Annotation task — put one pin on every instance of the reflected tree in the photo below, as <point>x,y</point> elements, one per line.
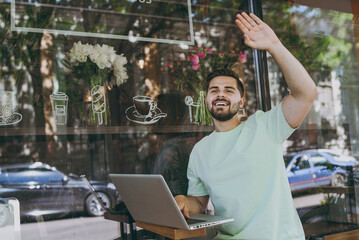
<point>21,69</point>
<point>323,42</point>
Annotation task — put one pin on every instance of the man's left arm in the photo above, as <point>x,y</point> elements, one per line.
<point>259,35</point>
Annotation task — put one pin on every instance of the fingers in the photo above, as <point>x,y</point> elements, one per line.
<point>243,24</point>
<point>249,20</point>
<point>183,209</point>
<point>247,23</point>
<point>186,212</point>
<point>181,205</point>
<point>257,19</point>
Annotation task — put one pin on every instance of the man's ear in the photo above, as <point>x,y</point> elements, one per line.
<point>242,102</point>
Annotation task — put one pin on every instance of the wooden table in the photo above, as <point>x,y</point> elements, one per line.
<point>330,189</point>
<point>351,222</point>
<point>172,233</point>
<point>350,235</point>
<point>168,232</point>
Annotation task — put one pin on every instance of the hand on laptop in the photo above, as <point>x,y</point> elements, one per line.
<point>191,204</point>
<point>181,202</point>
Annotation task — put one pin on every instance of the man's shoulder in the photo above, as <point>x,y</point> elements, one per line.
<point>203,142</point>
<point>254,118</point>
<point>260,115</point>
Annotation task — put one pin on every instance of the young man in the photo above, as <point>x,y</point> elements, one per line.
<point>240,165</point>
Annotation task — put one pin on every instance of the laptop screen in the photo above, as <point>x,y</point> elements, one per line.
<point>104,208</point>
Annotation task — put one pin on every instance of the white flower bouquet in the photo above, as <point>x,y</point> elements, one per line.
<point>101,68</point>
<point>99,65</point>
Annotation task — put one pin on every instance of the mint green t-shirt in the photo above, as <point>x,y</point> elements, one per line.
<point>243,172</point>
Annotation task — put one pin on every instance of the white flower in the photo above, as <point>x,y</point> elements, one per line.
<point>119,69</point>
<point>109,52</point>
<point>80,52</point>
<point>120,60</point>
<point>100,58</point>
<point>121,77</point>
<point>104,57</point>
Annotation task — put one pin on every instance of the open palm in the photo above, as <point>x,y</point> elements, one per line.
<point>257,34</point>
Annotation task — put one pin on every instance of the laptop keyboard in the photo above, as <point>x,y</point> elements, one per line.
<point>193,221</point>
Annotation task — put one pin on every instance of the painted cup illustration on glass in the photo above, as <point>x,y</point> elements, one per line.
<point>144,105</point>
<point>59,103</point>
<point>8,116</point>
<point>144,111</point>
<point>98,102</point>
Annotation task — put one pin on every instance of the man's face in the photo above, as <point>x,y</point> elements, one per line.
<point>223,98</point>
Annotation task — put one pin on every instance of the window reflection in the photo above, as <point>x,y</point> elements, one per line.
<point>58,131</point>
<point>323,38</point>
<point>152,34</point>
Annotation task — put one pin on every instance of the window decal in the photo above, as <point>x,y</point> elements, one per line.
<point>8,116</point>
<point>144,111</point>
<point>191,105</point>
<point>59,103</point>
<point>98,97</point>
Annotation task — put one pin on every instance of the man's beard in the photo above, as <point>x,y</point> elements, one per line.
<point>225,115</point>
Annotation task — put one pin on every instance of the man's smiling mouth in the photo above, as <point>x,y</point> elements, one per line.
<point>220,104</point>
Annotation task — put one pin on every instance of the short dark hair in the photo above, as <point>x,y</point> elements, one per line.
<point>226,73</point>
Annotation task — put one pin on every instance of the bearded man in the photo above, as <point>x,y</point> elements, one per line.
<point>240,165</point>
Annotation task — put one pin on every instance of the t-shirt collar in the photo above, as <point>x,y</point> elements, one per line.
<point>233,131</point>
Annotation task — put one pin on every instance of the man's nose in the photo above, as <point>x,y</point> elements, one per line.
<point>221,94</point>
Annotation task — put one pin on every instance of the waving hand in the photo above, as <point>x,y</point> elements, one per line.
<point>257,34</point>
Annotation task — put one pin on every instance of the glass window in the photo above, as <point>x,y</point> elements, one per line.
<point>32,175</point>
<point>98,87</point>
<point>318,160</point>
<point>302,162</point>
<point>324,38</point>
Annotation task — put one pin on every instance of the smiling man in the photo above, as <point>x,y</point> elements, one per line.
<point>240,165</point>
<point>224,98</point>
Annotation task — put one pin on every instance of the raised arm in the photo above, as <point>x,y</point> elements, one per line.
<point>259,35</point>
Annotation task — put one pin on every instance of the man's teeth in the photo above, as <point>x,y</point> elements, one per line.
<point>220,104</point>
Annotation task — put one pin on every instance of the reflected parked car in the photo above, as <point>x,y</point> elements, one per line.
<point>317,167</point>
<point>42,190</point>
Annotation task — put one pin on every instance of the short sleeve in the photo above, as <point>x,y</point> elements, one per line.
<point>195,184</point>
<point>276,124</point>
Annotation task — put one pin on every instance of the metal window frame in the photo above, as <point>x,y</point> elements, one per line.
<point>260,65</point>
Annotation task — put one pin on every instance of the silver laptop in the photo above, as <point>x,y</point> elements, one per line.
<point>149,200</point>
